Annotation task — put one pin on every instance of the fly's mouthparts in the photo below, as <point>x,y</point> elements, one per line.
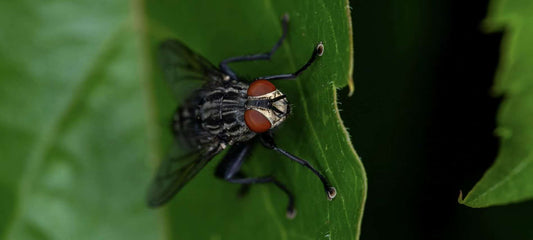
<point>277,98</point>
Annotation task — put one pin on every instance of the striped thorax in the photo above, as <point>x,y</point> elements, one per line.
<point>226,112</point>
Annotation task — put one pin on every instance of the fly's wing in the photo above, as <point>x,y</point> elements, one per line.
<point>174,173</point>
<point>181,64</point>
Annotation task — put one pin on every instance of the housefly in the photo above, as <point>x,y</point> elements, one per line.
<point>226,111</point>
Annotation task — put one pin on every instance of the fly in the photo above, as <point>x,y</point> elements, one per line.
<point>225,112</point>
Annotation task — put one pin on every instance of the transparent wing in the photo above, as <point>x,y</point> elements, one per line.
<point>181,64</point>
<point>174,173</point>
<point>181,67</point>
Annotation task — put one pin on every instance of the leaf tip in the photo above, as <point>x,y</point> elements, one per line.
<point>460,199</point>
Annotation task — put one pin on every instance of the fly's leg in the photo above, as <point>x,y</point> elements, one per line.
<point>268,142</point>
<point>317,52</point>
<point>230,165</point>
<point>291,212</point>
<point>229,170</point>
<point>262,56</point>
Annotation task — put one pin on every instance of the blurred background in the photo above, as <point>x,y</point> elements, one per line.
<point>422,119</point>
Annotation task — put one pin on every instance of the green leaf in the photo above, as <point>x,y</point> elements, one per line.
<point>85,114</point>
<point>510,179</point>
<point>73,143</point>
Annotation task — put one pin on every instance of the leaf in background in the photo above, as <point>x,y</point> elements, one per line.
<point>84,109</point>
<point>73,143</point>
<point>510,179</point>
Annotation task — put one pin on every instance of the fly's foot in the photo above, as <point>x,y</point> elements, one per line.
<point>285,18</point>
<point>320,49</point>
<point>332,192</point>
<point>291,213</point>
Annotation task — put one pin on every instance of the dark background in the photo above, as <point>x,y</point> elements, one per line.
<point>425,69</point>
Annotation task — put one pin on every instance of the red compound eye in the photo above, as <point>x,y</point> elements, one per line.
<point>256,121</point>
<point>260,87</point>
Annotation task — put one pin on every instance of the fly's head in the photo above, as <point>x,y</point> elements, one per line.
<point>266,107</point>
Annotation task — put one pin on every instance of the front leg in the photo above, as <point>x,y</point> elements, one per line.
<point>317,52</point>
<point>232,162</point>
<point>262,56</point>
<point>268,141</point>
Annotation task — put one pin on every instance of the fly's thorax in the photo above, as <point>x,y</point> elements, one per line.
<point>266,107</point>
<point>220,112</point>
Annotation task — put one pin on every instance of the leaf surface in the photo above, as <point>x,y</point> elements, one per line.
<point>85,113</point>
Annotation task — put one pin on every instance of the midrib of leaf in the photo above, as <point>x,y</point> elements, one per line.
<point>140,22</point>
<point>49,135</point>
